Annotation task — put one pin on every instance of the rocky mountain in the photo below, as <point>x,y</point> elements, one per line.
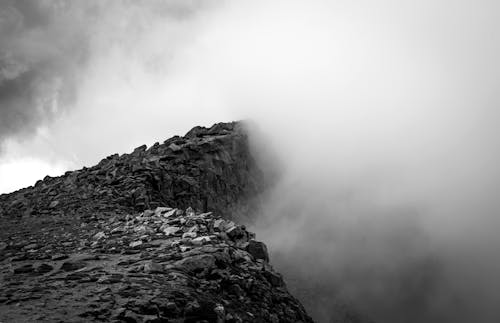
<point>144,237</point>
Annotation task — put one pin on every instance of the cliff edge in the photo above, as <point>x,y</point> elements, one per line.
<point>144,237</point>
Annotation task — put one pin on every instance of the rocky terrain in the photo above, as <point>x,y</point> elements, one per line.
<point>144,237</point>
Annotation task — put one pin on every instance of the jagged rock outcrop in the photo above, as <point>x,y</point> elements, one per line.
<point>208,169</point>
<point>118,242</point>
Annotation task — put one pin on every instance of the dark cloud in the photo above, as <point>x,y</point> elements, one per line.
<point>42,47</point>
<point>47,46</point>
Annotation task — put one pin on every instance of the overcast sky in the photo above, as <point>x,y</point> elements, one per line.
<point>81,80</point>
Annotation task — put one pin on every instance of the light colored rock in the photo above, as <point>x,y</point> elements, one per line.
<point>189,235</point>
<point>153,267</point>
<point>147,213</point>
<point>170,230</point>
<point>134,244</point>
<point>219,224</point>
<point>30,246</point>
<point>99,236</point>
<point>174,147</point>
<point>143,229</point>
<point>169,213</point>
<point>200,240</point>
<point>190,212</point>
<point>161,209</point>
<point>53,204</point>
<point>220,312</point>
<point>194,228</point>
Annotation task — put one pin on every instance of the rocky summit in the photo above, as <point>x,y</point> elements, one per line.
<point>144,237</point>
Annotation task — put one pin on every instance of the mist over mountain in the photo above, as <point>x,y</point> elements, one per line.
<point>377,123</point>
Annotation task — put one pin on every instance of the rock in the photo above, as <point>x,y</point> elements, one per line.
<point>135,244</point>
<point>152,267</point>
<point>220,312</point>
<point>24,269</point>
<point>200,240</point>
<point>236,233</point>
<point>188,235</point>
<point>190,212</point>
<point>117,230</point>
<point>59,257</point>
<point>53,204</point>
<point>43,268</point>
<point>99,236</point>
<point>169,231</point>
<point>258,250</point>
<point>219,224</point>
<point>72,265</point>
<point>172,308</point>
<point>161,210</point>
<point>274,278</point>
<point>148,213</point>
<point>31,246</point>
<point>170,213</point>
<point>174,147</point>
<point>196,263</point>
<point>111,250</point>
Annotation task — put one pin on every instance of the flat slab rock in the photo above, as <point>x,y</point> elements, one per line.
<point>160,265</point>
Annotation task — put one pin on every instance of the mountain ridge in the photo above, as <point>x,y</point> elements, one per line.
<point>103,243</point>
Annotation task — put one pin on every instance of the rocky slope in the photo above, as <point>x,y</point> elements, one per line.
<point>120,242</point>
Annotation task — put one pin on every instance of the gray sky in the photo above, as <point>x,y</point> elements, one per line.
<point>81,80</point>
<point>383,113</point>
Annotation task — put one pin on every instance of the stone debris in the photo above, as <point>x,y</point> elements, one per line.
<point>190,278</point>
<point>208,169</point>
<point>143,237</point>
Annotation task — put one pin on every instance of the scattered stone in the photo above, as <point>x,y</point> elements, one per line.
<point>174,147</point>
<point>190,212</point>
<point>258,250</point>
<point>53,204</point>
<point>72,265</point>
<point>135,244</point>
<point>188,235</point>
<point>169,231</point>
<point>219,224</point>
<point>31,246</point>
<point>113,250</point>
<point>200,240</point>
<point>161,210</point>
<point>220,312</point>
<point>43,268</point>
<point>235,233</point>
<point>100,235</point>
<point>24,269</point>
<point>59,257</point>
<point>170,213</point>
<point>152,267</point>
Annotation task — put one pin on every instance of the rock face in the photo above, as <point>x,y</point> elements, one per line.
<point>208,169</point>
<point>119,242</point>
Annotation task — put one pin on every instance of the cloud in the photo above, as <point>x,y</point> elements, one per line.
<point>82,80</point>
<point>383,120</point>
<point>51,50</point>
<point>39,61</point>
<point>382,117</point>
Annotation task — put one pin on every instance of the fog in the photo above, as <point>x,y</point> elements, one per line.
<point>382,118</point>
